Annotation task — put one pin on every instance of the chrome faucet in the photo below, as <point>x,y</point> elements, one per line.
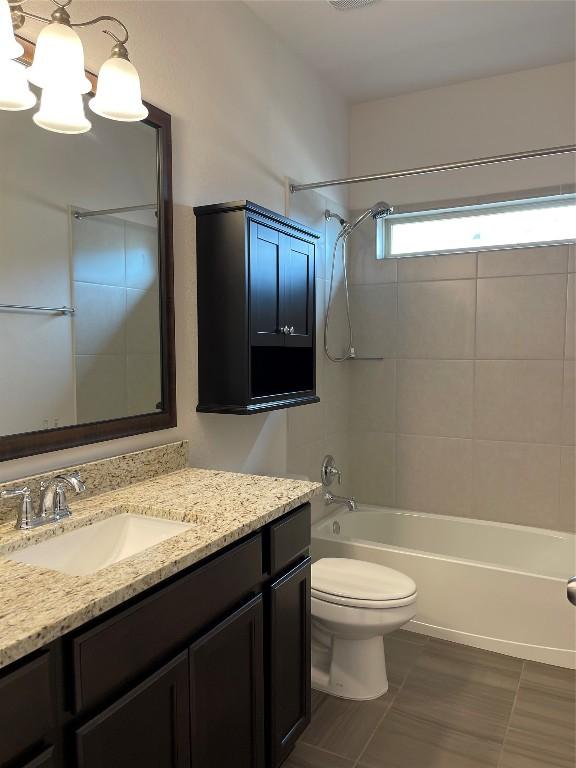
<point>328,473</point>
<point>53,503</point>
<point>330,498</point>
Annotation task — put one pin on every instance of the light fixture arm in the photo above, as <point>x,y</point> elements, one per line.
<point>62,16</point>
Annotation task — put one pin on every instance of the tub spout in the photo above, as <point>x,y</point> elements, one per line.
<point>330,498</point>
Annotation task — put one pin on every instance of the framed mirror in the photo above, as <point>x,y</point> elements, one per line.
<point>86,282</point>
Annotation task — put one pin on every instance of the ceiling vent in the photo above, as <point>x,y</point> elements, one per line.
<point>351,5</point>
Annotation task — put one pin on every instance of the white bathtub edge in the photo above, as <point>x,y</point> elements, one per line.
<point>558,657</point>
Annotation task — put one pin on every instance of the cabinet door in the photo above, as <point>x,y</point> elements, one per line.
<point>297,290</point>
<point>45,760</point>
<point>290,660</point>
<point>148,728</point>
<point>226,692</point>
<point>264,286</point>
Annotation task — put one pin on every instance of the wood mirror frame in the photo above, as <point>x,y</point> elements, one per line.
<point>32,443</point>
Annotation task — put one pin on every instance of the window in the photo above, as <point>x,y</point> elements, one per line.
<point>517,223</point>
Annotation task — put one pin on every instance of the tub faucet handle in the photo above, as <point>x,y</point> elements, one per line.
<point>571,590</point>
<point>330,471</point>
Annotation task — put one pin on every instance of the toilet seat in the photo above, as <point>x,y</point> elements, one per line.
<point>358,584</point>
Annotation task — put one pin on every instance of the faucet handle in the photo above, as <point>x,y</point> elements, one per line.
<point>26,515</point>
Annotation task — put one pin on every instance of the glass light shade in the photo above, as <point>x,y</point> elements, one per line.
<point>59,60</point>
<point>62,111</point>
<point>15,93</point>
<point>118,95</point>
<point>9,47</point>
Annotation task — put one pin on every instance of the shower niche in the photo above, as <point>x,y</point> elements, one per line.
<point>256,309</point>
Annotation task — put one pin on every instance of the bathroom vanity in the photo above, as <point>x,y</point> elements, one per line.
<point>209,667</point>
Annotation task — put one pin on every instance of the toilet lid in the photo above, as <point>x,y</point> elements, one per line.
<point>358,580</point>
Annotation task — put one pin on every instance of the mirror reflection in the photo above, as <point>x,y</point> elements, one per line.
<point>79,274</point>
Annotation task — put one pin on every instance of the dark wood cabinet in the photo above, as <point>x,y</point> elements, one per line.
<point>256,309</point>
<point>27,707</point>
<point>227,692</point>
<point>209,669</point>
<point>45,760</point>
<point>289,660</point>
<point>148,728</point>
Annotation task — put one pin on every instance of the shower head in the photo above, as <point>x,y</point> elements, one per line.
<point>380,210</point>
<point>377,211</point>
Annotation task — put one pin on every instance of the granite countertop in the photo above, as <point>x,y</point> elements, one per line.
<point>38,605</point>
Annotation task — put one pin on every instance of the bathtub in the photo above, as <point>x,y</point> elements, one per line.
<point>494,586</point>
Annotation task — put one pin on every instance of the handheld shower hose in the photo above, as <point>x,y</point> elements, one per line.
<point>377,211</point>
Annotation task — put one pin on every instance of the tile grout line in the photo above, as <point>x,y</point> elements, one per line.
<point>385,715</point>
<point>514,702</point>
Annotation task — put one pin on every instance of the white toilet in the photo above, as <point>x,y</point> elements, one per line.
<point>354,604</point>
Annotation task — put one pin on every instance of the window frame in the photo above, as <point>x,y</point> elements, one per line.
<point>384,225</point>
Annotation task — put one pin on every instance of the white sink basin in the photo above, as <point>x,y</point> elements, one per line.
<point>90,548</point>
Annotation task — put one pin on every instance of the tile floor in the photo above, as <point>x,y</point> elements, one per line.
<point>448,706</point>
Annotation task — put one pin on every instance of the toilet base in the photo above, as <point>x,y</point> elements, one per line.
<point>350,669</point>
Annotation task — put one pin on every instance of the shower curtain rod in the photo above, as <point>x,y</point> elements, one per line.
<point>439,168</point>
<point>108,211</point>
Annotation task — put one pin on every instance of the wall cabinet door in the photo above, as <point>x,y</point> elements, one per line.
<point>147,728</point>
<point>264,286</point>
<point>296,290</point>
<point>289,660</point>
<point>226,692</point>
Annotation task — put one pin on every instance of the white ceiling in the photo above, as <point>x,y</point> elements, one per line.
<point>398,46</point>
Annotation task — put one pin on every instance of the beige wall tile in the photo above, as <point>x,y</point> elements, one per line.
<point>436,397</point>
<point>143,383</point>
<point>99,255</point>
<point>436,319</point>
<point>100,319</point>
<point>518,400</point>
<point>372,467</point>
<point>521,317</point>
<point>572,259</point>
<point>364,267</point>
<point>142,321</point>
<point>446,267</point>
<point>434,474</point>
<point>523,261</point>
<point>373,312</point>
<point>101,387</point>
<point>517,483</point>
<point>567,519</point>
<point>373,395</point>
<point>568,404</point>
<point>570,348</point>
<point>335,395</point>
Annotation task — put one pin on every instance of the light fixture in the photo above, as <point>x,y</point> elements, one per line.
<point>15,93</point>
<point>9,47</point>
<point>58,68</point>
<point>62,111</point>
<point>118,95</point>
<point>59,60</point>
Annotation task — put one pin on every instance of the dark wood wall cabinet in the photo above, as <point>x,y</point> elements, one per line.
<point>256,309</point>
<point>208,670</point>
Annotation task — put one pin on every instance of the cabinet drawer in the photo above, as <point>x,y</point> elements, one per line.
<point>26,707</point>
<point>289,538</point>
<point>116,652</point>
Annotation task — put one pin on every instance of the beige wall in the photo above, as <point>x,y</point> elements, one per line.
<point>490,116</point>
<point>246,114</point>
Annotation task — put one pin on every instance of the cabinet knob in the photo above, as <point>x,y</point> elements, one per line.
<point>291,330</point>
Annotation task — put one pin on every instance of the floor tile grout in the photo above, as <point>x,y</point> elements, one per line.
<point>510,716</point>
<point>378,724</point>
